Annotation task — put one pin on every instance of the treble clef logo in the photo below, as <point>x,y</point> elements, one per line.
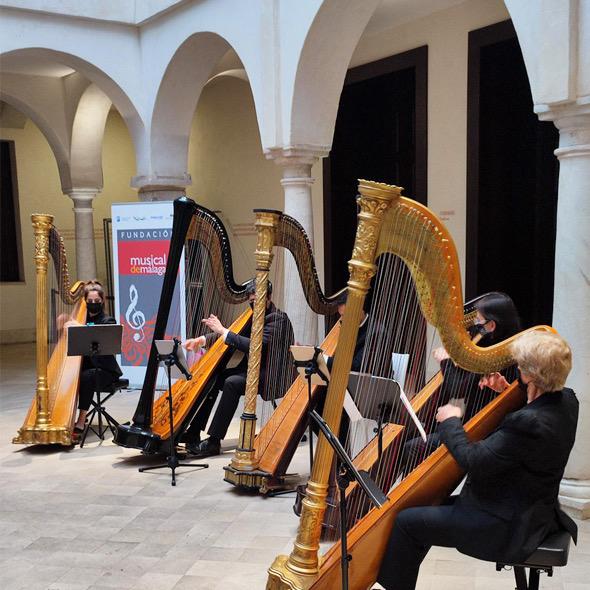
<point>135,319</point>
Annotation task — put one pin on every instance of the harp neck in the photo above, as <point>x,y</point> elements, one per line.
<point>434,266</point>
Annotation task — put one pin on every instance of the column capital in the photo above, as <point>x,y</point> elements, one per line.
<point>159,187</point>
<point>573,122</point>
<point>161,182</point>
<point>82,197</point>
<point>296,155</point>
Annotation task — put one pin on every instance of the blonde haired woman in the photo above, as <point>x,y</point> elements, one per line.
<point>508,504</point>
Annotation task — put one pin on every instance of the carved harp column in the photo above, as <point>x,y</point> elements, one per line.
<point>298,570</point>
<point>41,227</point>
<point>245,457</point>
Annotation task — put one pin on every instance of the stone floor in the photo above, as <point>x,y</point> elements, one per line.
<point>84,519</point>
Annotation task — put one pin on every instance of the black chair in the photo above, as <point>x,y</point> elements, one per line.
<point>99,410</point>
<point>552,552</point>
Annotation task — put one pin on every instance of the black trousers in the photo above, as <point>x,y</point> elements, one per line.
<point>232,383</point>
<point>417,529</point>
<point>90,380</point>
<point>415,451</point>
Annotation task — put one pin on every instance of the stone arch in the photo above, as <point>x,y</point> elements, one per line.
<point>185,77</point>
<point>102,81</point>
<point>87,136</point>
<point>551,65</point>
<point>321,69</point>
<point>57,142</point>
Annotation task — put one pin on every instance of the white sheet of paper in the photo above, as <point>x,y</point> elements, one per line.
<point>350,408</point>
<point>410,411</point>
<point>399,365</point>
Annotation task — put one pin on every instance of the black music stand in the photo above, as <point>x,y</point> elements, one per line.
<point>384,395</point>
<point>170,355</point>
<point>347,473</point>
<point>312,367</point>
<point>92,341</point>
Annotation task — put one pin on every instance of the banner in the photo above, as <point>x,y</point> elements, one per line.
<point>141,239</point>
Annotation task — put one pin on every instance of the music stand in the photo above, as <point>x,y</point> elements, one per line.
<point>312,367</point>
<point>347,473</point>
<point>384,395</point>
<point>92,341</point>
<point>171,355</point>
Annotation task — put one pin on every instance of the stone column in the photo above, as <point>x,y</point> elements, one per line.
<point>571,306</point>
<point>84,232</point>
<point>297,181</point>
<point>161,188</point>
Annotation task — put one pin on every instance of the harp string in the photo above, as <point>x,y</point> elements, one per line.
<point>62,306</point>
<point>203,296</point>
<point>290,241</point>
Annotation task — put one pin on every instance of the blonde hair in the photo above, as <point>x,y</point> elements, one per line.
<point>544,357</point>
<point>93,285</point>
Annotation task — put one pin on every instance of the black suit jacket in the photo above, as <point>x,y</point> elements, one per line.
<point>514,474</point>
<point>106,362</point>
<point>277,337</point>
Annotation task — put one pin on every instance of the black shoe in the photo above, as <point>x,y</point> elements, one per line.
<point>190,438</point>
<point>206,448</point>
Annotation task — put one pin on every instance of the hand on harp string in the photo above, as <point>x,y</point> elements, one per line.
<point>495,381</point>
<point>448,411</point>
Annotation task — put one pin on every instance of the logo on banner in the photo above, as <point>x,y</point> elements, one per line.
<point>142,258</point>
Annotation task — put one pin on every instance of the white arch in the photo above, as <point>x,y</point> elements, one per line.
<point>548,38</point>
<point>184,79</point>
<point>87,137</point>
<point>103,81</point>
<point>58,142</point>
<point>318,76</point>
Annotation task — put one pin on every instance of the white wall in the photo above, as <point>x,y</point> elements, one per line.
<point>446,34</point>
<point>40,192</point>
<point>230,172</point>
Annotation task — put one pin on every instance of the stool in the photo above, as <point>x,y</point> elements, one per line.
<point>99,410</point>
<point>552,552</point>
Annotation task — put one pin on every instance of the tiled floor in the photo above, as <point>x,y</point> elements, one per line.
<point>85,519</point>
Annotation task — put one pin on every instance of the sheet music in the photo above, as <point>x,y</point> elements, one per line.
<point>410,410</point>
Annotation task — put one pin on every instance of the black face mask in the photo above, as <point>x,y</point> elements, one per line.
<point>478,329</point>
<point>94,307</point>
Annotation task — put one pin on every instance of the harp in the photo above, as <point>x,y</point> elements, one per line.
<point>50,418</point>
<point>392,225</point>
<point>210,288</point>
<point>261,462</point>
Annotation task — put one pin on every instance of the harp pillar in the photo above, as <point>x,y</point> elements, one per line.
<point>84,223</point>
<point>571,303</point>
<point>299,569</point>
<point>296,164</point>
<point>243,467</point>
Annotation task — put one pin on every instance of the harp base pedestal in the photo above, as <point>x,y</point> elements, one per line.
<point>245,479</point>
<point>280,577</point>
<point>48,435</point>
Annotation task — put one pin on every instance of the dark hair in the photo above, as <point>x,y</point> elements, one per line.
<point>251,288</point>
<point>341,297</point>
<point>93,285</point>
<point>499,307</point>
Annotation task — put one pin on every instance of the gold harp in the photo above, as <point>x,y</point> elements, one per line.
<point>389,223</point>
<point>261,461</point>
<point>50,418</point>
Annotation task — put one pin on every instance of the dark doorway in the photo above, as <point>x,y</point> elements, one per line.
<point>380,134</point>
<point>512,178</point>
